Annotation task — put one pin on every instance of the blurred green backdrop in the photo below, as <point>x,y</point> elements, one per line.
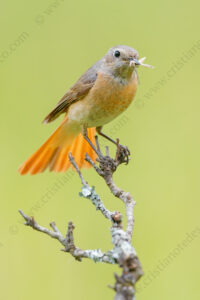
<point>45,47</point>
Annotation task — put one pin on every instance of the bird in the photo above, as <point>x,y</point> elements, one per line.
<point>101,94</point>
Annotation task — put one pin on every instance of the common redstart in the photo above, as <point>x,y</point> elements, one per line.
<point>102,93</point>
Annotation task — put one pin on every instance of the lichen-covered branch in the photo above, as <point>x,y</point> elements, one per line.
<point>88,192</point>
<point>123,253</point>
<point>68,241</point>
<point>107,166</point>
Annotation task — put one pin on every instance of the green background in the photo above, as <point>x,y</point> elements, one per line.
<point>45,47</point>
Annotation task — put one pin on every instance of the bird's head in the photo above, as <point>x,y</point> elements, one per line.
<point>123,60</point>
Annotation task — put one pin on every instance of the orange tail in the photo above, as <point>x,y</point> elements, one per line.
<point>54,152</point>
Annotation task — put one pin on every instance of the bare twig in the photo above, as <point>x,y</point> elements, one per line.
<point>30,221</point>
<point>68,241</point>
<point>77,169</point>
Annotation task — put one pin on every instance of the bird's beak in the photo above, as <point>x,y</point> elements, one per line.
<point>134,62</point>
<point>137,63</point>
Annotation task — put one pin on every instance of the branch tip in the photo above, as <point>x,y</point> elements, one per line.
<point>72,160</point>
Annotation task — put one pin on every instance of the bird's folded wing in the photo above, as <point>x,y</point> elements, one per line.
<point>77,92</point>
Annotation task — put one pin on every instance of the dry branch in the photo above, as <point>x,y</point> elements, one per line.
<point>123,253</point>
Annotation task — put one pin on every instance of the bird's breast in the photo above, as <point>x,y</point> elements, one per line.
<point>108,98</point>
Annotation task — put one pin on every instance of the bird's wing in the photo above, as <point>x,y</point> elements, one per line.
<point>77,92</point>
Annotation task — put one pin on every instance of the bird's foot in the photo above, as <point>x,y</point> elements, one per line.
<point>108,165</point>
<point>122,154</point>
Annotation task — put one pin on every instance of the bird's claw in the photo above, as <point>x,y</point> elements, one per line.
<point>122,154</point>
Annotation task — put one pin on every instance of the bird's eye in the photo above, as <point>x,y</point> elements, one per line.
<point>117,53</point>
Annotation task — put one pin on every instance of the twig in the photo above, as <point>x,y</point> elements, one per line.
<point>77,169</point>
<point>128,201</point>
<point>68,241</point>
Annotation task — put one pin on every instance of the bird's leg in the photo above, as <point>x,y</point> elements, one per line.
<point>122,153</point>
<point>98,129</point>
<point>85,135</point>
